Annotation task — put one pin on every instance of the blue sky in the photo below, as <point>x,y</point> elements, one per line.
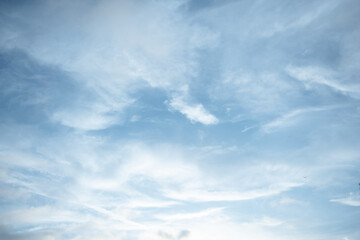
<point>180,120</point>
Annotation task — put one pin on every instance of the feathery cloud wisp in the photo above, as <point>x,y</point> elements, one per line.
<point>194,112</point>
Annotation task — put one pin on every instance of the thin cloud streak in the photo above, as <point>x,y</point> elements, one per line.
<point>190,216</point>
<point>353,201</point>
<point>313,75</point>
<point>290,118</point>
<point>219,196</point>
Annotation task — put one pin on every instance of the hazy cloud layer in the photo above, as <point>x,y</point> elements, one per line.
<point>181,119</point>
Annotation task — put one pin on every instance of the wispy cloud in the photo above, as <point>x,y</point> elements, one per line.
<point>124,63</point>
<point>258,92</point>
<point>211,196</point>
<point>266,221</point>
<point>190,216</point>
<point>301,22</point>
<point>178,120</point>
<point>86,120</point>
<point>311,76</point>
<point>352,200</point>
<point>291,118</point>
<point>194,112</point>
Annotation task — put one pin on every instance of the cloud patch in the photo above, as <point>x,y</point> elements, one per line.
<point>312,76</point>
<point>352,200</point>
<point>194,112</point>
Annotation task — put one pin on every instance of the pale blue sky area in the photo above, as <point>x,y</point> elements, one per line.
<point>180,120</point>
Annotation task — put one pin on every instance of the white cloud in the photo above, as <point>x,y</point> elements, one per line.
<point>122,171</point>
<point>188,216</point>
<point>113,48</point>
<point>288,201</point>
<point>283,121</point>
<point>291,118</point>
<point>217,227</point>
<point>200,195</point>
<point>352,200</point>
<point>194,112</point>
<point>109,185</point>
<point>155,163</point>
<point>42,215</point>
<point>257,92</point>
<point>115,216</point>
<point>312,76</point>
<point>266,222</point>
<point>90,120</point>
<point>300,22</point>
<point>146,202</point>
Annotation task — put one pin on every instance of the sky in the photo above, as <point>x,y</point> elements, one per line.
<point>180,120</point>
